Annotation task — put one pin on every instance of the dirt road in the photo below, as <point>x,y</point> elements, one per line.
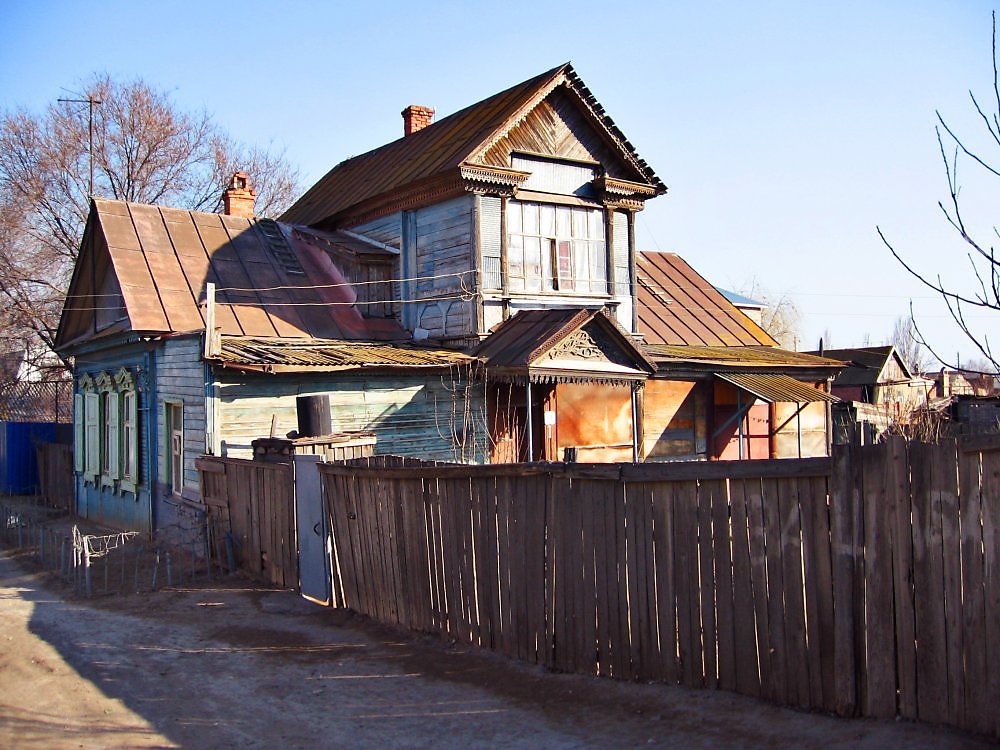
<point>238,667</point>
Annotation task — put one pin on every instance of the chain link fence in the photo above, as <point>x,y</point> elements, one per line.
<point>98,561</point>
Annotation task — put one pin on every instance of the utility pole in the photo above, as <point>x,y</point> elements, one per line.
<point>92,102</point>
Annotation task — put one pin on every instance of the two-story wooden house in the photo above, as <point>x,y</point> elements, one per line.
<point>470,292</point>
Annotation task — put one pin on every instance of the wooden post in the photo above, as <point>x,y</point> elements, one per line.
<point>210,349</point>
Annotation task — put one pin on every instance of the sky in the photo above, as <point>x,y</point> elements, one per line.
<point>786,132</point>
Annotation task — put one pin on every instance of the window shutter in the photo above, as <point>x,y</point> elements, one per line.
<point>78,433</point>
<point>132,449</point>
<point>114,418</point>
<point>92,437</point>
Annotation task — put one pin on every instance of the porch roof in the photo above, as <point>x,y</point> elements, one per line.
<point>777,388</point>
<point>274,355</point>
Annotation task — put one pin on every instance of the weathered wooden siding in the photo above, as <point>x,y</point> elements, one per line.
<point>180,379</point>
<point>557,127</point>
<point>387,229</point>
<point>673,420</point>
<point>429,416</point>
<point>444,257</point>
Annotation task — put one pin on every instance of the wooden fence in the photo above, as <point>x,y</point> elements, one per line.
<point>55,475</point>
<point>864,585</point>
<point>255,501</point>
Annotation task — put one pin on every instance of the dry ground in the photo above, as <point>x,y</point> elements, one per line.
<point>234,666</point>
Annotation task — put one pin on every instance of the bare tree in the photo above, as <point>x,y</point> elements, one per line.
<point>145,150</point>
<point>908,346</point>
<point>780,317</point>
<point>983,290</point>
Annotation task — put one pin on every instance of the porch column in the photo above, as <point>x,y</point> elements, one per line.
<point>528,434</point>
<point>635,424</point>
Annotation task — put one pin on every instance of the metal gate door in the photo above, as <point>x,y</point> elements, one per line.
<point>313,532</point>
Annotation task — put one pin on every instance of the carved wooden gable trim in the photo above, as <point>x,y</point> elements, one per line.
<point>559,127</point>
<point>589,344</point>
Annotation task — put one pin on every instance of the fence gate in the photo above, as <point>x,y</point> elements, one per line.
<point>313,531</point>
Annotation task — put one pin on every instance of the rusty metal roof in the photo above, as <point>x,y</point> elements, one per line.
<point>270,279</point>
<point>753,357</point>
<point>287,355</point>
<point>444,146</point>
<point>777,388</point>
<point>523,341</point>
<point>676,305</point>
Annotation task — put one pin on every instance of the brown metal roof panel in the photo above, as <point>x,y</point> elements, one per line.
<point>183,313</point>
<point>167,272</point>
<point>691,308</point>
<point>710,298</point>
<point>149,226</point>
<point>119,231</point>
<point>145,311</point>
<point>254,321</point>
<point>777,388</point>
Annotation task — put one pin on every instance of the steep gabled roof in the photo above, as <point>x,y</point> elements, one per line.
<point>865,364</point>
<point>443,147</point>
<point>677,306</point>
<point>153,263</point>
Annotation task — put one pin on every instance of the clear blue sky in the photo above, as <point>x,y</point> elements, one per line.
<point>785,131</point>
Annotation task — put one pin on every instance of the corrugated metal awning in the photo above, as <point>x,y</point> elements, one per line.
<point>776,388</point>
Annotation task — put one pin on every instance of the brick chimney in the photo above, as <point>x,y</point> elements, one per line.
<point>238,200</point>
<point>416,118</point>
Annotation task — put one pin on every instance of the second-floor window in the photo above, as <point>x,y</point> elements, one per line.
<point>555,248</point>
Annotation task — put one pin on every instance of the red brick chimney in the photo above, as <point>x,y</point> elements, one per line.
<point>238,200</point>
<point>416,118</point>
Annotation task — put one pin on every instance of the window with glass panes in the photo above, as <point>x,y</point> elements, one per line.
<point>554,248</point>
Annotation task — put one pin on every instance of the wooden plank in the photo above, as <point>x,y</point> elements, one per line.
<point>821,583</point>
<point>503,500</point>
<point>753,635</point>
<point>685,562</point>
<point>707,583</point>
<point>900,508</point>
<point>648,668</point>
<point>946,482</point>
<point>843,499</point>
<point>978,713</point>
<point>491,558</point>
<point>789,499</point>
<point>629,506</point>
<point>780,682</point>
<point>661,496</point>
<point>723,544</point>
<point>590,540</point>
<point>991,567</point>
<point>928,588</point>
<point>880,694</point>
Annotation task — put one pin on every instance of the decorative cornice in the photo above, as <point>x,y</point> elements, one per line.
<point>479,178</point>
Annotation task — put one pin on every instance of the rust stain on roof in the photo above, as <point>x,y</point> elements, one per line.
<point>677,306</point>
<point>271,279</point>
<point>777,388</point>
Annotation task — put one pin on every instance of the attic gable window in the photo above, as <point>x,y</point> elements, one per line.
<point>554,248</point>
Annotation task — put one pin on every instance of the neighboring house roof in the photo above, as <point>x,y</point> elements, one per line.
<point>461,140</point>
<point>756,358</point>
<point>865,365</point>
<point>273,355</point>
<point>271,279</point>
<point>556,345</point>
<point>740,300</point>
<point>677,306</point>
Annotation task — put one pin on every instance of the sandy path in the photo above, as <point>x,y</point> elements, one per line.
<point>243,668</point>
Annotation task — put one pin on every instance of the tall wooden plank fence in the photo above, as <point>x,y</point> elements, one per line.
<point>255,501</point>
<point>863,585</point>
